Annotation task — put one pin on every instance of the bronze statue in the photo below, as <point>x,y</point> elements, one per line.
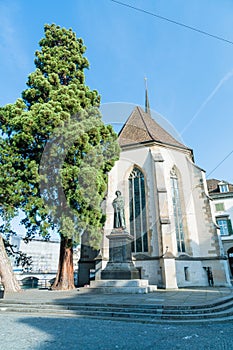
<point>119,211</point>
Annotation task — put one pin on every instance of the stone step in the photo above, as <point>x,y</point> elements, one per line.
<point>198,310</point>
<point>223,301</point>
<point>134,286</point>
<point>119,283</point>
<point>206,316</point>
<point>78,304</point>
<point>77,308</point>
<point>106,314</point>
<point>110,314</point>
<point>167,308</point>
<point>136,313</point>
<point>124,290</point>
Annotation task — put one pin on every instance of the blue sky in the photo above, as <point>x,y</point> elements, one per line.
<point>190,75</point>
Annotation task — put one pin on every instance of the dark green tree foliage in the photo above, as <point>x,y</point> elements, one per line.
<point>55,149</point>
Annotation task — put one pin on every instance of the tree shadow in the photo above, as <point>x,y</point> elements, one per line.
<point>71,333</point>
<point>86,333</point>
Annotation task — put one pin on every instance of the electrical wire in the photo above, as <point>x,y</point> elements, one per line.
<point>187,27</point>
<point>223,160</point>
<point>174,22</point>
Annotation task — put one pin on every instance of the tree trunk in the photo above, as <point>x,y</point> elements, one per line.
<point>8,278</point>
<point>65,274</point>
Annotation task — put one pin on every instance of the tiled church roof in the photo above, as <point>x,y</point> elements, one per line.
<point>141,128</point>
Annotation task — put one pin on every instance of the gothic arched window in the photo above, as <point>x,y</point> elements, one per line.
<point>137,211</point>
<point>177,212</point>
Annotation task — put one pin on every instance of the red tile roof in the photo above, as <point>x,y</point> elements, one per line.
<point>213,186</point>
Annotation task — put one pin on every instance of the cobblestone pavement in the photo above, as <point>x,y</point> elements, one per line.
<point>20,332</point>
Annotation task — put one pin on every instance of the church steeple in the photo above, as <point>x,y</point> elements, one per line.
<point>147,105</point>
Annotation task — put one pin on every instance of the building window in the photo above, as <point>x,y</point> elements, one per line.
<point>177,212</point>
<point>186,273</point>
<point>219,207</point>
<point>225,226</point>
<point>223,187</point>
<point>230,257</point>
<point>137,211</point>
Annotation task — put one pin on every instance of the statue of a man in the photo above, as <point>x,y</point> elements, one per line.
<point>119,211</point>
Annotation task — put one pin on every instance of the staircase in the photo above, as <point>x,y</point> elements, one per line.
<point>215,312</point>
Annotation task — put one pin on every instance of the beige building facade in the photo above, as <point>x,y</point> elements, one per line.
<point>221,194</point>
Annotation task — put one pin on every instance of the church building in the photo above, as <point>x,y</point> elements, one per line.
<point>167,209</point>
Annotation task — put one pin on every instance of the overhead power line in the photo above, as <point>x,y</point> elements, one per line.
<point>223,160</point>
<point>174,22</point>
<point>187,27</point>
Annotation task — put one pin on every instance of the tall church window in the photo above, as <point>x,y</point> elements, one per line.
<point>177,212</point>
<point>137,211</point>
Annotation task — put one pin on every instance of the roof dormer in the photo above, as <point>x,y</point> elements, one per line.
<point>223,187</point>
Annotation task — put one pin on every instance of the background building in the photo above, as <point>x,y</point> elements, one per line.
<point>221,193</point>
<point>44,257</point>
<point>44,262</point>
<point>44,254</point>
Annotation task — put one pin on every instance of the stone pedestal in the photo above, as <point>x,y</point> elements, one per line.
<point>122,286</point>
<point>169,268</point>
<point>120,265</point>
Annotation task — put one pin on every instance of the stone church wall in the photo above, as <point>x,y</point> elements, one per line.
<point>201,240</point>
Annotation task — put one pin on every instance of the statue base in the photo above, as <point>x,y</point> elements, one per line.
<point>120,272</point>
<point>120,265</point>
<point>135,286</point>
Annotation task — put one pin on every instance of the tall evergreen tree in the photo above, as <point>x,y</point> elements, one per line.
<point>56,152</point>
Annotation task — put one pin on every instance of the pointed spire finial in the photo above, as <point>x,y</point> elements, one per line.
<point>147,105</point>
